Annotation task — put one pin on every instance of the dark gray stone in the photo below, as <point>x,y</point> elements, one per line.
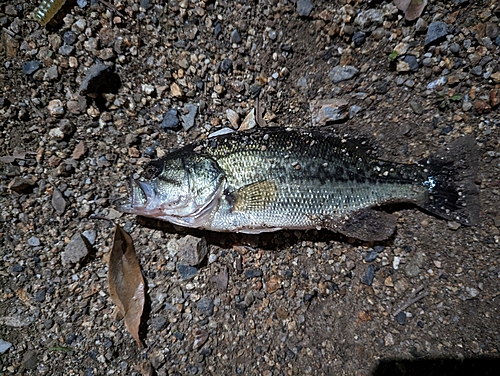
<point>34,241</point>
<point>30,359</point>
<point>16,268</point>
<point>252,273</point>
<point>371,256</point>
<point>412,62</point>
<point>51,74</point>
<point>367,279</point>
<point>77,249</point>
<point>217,29</point>
<point>186,271</point>
<point>69,37</point>
<point>188,119</point>
<point>170,120</point>
<point>146,4</point>
<point>235,36</point>
<point>206,306</point>
<point>304,8</point>
<point>100,78</point>
<point>150,151</point>
<point>31,67</point>
<point>4,346</point>
<point>359,38</point>
<point>192,250</point>
<point>158,322</point>
<point>339,73</point>
<point>455,48</point>
<point>436,32</point>
<point>401,318</point>
<point>40,295</point>
<point>66,50</point>
<point>226,64</point>
<point>477,70</point>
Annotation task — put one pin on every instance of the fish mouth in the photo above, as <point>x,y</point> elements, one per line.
<point>138,196</point>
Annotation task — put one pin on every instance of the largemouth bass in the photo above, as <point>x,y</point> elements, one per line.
<point>273,179</point>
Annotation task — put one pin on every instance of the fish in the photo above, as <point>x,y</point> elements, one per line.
<point>272,179</point>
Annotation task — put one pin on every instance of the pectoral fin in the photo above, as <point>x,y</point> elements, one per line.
<point>367,225</point>
<point>254,197</point>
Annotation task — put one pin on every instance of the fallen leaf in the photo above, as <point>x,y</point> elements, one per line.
<point>411,8</point>
<point>125,282</point>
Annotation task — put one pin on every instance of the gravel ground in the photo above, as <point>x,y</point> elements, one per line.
<point>105,87</point>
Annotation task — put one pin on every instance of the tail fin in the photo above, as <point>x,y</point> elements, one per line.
<point>450,175</point>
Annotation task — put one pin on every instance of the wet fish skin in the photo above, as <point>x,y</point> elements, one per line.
<point>272,179</point>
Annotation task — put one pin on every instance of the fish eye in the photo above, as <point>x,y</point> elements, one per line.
<point>153,169</point>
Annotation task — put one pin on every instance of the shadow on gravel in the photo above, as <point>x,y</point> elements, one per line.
<point>266,241</point>
<point>438,367</point>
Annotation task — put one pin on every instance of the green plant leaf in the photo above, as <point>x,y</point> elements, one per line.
<point>393,56</point>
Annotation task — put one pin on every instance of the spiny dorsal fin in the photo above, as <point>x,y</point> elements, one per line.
<point>254,197</point>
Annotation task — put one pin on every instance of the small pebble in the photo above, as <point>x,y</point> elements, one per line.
<point>206,306</point>
<point>342,73</point>
<point>4,346</point>
<point>436,32</point>
<point>56,108</point>
<point>34,241</point>
<point>58,201</point>
<point>30,359</point>
<point>371,256</point>
<point>401,318</point>
<point>200,337</point>
<point>253,273</point>
<point>40,295</point>
<point>226,64</point>
<point>192,250</point>
<point>170,120</point>
<point>31,67</point>
<point>48,324</point>
<point>158,323</point>
<point>185,271</point>
<point>235,37</point>
<point>367,279</point>
<point>358,38</point>
<point>90,235</point>
<point>189,118</point>
<point>76,250</point>
<point>304,8</point>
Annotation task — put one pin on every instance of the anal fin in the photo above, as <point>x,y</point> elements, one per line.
<point>367,225</point>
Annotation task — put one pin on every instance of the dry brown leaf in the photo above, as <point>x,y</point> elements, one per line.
<point>411,8</point>
<point>125,282</point>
